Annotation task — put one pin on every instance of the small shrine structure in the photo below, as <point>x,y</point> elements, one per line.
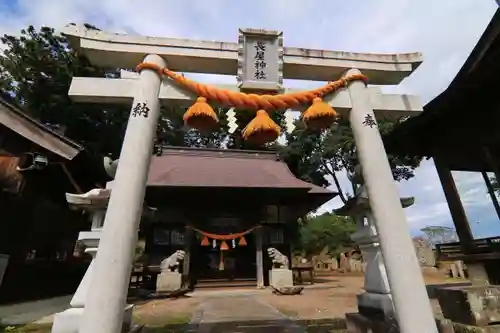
<point>246,202</point>
<point>261,62</point>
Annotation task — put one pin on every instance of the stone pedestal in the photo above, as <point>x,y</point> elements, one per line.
<point>474,305</point>
<point>372,303</point>
<point>168,282</point>
<point>358,323</point>
<point>377,298</point>
<point>280,277</point>
<point>477,274</point>
<point>91,240</point>
<point>69,320</point>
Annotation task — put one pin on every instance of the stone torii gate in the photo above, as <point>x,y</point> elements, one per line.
<point>104,309</point>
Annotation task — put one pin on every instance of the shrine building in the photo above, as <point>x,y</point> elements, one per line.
<point>224,208</point>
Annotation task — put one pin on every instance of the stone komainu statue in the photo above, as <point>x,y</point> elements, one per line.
<point>279,260</point>
<point>171,264</point>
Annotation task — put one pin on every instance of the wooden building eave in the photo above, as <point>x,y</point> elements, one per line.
<point>29,128</point>
<point>463,119</point>
<point>70,160</point>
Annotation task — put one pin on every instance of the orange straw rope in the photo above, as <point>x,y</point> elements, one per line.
<point>252,101</point>
<point>224,237</point>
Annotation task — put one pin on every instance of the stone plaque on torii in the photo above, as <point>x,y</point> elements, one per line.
<point>158,59</point>
<point>260,60</point>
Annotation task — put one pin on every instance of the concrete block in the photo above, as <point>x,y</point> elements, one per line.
<point>168,282</point>
<point>280,277</point>
<point>69,321</point>
<point>375,303</point>
<point>358,323</point>
<point>471,305</point>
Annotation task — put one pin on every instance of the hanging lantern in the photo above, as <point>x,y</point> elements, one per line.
<point>205,241</point>
<point>319,115</point>
<point>242,242</point>
<point>262,129</point>
<point>201,116</point>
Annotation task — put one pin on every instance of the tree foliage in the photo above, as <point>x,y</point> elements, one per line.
<point>318,157</point>
<point>439,235</point>
<point>324,231</point>
<point>36,70</point>
<point>495,185</point>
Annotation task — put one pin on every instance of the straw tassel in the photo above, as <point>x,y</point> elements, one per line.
<point>242,242</point>
<point>221,262</point>
<point>201,116</point>
<point>319,115</point>
<point>262,129</point>
<point>205,241</point>
<point>224,246</point>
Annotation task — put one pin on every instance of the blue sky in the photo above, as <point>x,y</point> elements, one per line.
<point>445,31</point>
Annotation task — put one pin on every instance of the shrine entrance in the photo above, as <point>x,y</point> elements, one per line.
<point>236,264</point>
<point>224,224</point>
<point>261,63</point>
<point>219,260</point>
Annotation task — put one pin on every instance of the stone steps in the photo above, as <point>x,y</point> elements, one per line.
<point>225,283</point>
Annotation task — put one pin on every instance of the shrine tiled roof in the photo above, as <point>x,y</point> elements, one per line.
<point>188,167</point>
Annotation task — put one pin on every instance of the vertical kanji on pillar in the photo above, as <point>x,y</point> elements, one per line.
<point>412,305</point>
<point>106,300</point>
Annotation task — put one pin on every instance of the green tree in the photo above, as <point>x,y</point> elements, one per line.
<point>326,230</point>
<point>439,234</point>
<point>316,157</point>
<point>36,70</point>
<point>495,184</point>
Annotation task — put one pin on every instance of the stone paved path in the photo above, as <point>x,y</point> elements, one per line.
<point>240,314</point>
<point>25,313</point>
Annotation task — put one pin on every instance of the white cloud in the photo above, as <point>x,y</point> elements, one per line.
<point>444,31</point>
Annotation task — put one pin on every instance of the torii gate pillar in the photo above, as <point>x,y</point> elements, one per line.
<point>108,289</point>
<point>411,302</point>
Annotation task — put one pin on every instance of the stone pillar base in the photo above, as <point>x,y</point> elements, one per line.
<point>168,282</point>
<point>375,304</point>
<point>358,323</point>
<point>280,277</point>
<point>69,321</point>
<point>477,273</point>
<point>472,305</point>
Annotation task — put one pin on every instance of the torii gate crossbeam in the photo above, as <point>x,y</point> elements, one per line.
<point>106,298</point>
